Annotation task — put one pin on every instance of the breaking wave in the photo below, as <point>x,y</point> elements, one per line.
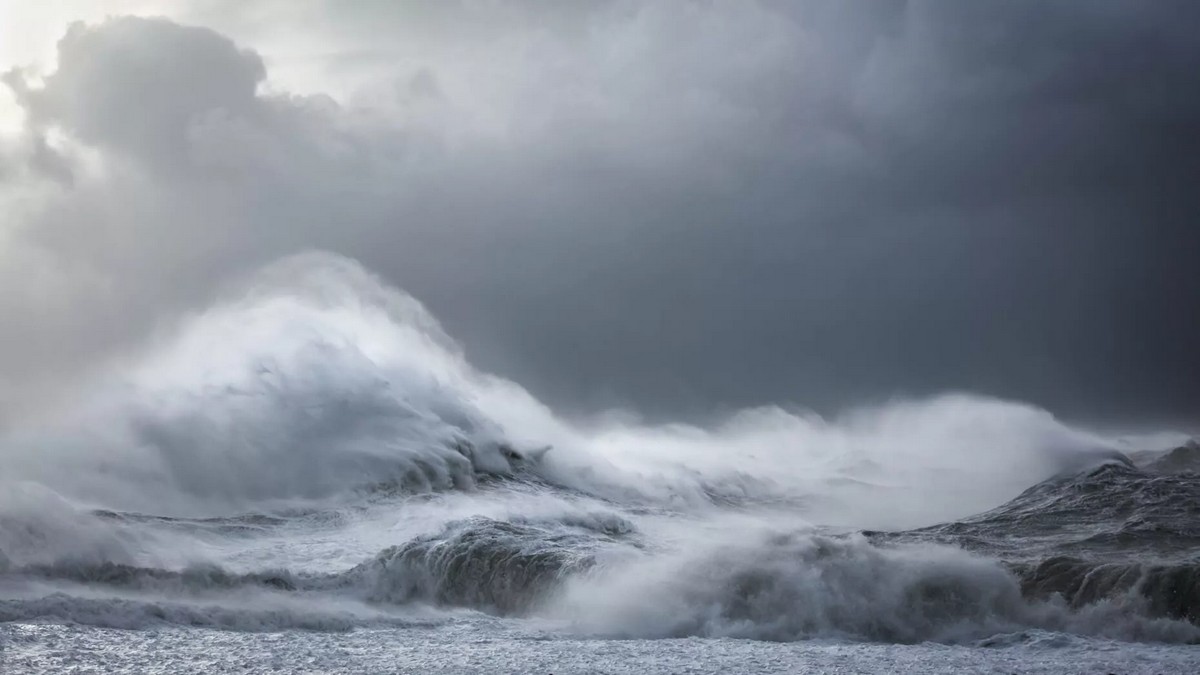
<point>768,586</point>
<point>800,586</point>
<point>313,452</point>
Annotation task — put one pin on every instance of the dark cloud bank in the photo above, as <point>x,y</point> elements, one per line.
<point>677,206</point>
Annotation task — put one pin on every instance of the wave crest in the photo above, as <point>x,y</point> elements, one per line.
<point>491,565</point>
<point>803,586</point>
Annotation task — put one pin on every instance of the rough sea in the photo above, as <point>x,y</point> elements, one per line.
<point>310,476</point>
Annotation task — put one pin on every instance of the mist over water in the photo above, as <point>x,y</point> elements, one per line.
<point>316,380</point>
<point>314,452</point>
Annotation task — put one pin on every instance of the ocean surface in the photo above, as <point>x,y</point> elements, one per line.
<point>310,476</point>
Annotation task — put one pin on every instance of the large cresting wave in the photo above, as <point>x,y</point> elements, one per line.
<point>316,442</point>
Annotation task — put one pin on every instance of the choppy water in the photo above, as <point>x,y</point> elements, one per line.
<point>310,476</point>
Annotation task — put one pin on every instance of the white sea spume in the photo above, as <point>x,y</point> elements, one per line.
<point>318,398</point>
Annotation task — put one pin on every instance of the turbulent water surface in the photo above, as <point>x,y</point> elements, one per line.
<point>310,476</point>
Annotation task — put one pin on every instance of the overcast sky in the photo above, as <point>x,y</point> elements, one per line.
<point>676,206</point>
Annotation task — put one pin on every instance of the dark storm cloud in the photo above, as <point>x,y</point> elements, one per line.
<point>677,206</point>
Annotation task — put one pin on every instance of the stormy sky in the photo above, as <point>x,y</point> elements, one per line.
<point>679,206</point>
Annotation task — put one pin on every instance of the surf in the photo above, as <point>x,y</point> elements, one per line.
<point>315,439</point>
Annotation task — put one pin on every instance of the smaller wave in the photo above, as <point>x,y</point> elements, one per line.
<point>495,566</point>
<point>192,579</point>
<point>116,595</point>
<point>479,564</point>
<point>1162,589</point>
<point>802,586</point>
<point>595,571</point>
<point>247,613</point>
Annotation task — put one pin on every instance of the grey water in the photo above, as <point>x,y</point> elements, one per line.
<point>311,477</point>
